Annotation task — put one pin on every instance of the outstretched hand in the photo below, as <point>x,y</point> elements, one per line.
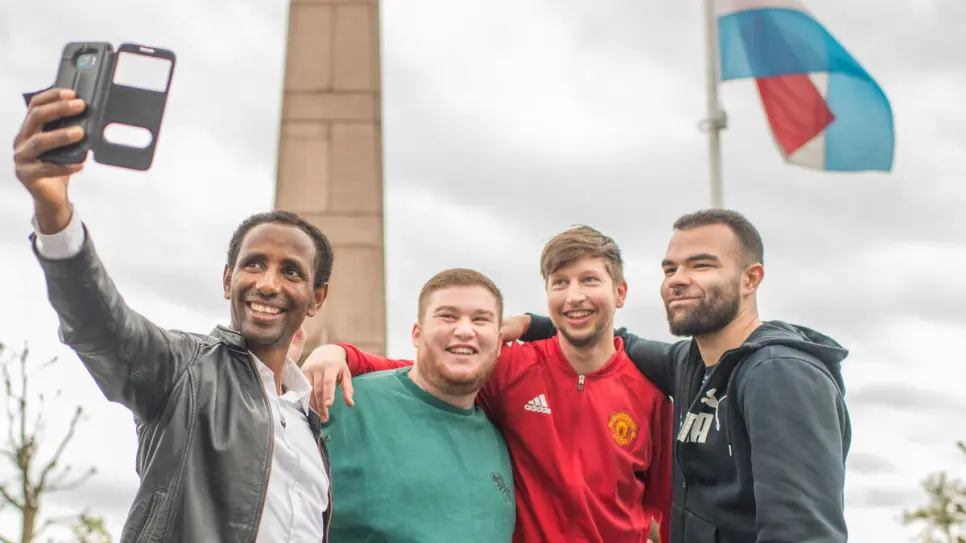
<point>47,182</point>
<point>325,367</point>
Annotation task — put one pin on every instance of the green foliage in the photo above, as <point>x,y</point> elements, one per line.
<point>89,529</point>
<point>943,518</point>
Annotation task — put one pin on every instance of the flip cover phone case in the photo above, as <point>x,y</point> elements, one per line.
<point>108,82</point>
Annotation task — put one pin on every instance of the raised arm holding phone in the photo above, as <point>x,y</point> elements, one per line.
<point>228,447</point>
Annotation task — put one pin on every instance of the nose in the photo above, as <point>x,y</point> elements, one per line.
<point>678,279</point>
<point>464,328</point>
<point>268,283</point>
<point>575,294</point>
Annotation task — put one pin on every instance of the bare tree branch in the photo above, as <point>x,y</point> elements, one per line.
<point>7,498</point>
<point>46,365</point>
<point>42,483</point>
<point>59,485</point>
<point>11,398</point>
<point>47,524</point>
<point>22,449</point>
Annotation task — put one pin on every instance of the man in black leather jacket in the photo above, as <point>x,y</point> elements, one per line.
<point>229,450</point>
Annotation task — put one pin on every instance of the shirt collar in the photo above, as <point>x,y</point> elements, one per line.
<point>297,387</point>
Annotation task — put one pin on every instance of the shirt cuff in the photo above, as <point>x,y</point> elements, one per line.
<point>64,244</point>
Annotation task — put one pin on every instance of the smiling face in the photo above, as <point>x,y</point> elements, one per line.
<point>582,299</point>
<point>271,285</point>
<point>458,338</point>
<point>584,275</point>
<point>708,280</point>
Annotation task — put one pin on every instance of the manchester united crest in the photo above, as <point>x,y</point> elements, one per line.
<point>622,428</point>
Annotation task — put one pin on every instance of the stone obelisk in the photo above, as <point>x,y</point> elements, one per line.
<point>330,159</point>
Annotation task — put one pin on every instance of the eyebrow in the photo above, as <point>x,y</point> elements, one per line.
<point>295,264</point>
<point>454,309</point>
<point>261,257</point>
<point>702,256</point>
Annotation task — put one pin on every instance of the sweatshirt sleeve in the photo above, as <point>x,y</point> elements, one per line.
<point>657,495</point>
<point>361,362</point>
<point>799,432</point>
<point>654,359</point>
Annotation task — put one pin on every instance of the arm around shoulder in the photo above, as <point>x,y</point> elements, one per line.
<point>799,433</point>
<point>133,361</point>
<point>655,359</point>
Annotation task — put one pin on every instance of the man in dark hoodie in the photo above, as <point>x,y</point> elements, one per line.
<point>760,418</point>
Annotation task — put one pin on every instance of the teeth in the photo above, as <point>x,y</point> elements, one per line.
<point>461,350</point>
<point>577,314</point>
<point>265,309</point>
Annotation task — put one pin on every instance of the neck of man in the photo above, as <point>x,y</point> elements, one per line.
<point>712,346</point>
<point>589,358</point>
<point>463,401</point>
<point>273,357</point>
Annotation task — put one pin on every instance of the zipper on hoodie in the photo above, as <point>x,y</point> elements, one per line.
<point>689,397</point>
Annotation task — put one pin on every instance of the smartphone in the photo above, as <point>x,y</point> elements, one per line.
<point>86,68</point>
<point>125,92</point>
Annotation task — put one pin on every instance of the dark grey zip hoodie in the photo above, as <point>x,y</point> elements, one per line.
<point>761,443</point>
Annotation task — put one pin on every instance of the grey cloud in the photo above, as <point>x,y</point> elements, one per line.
<point>631,162</point>
<point>211,63</point>
<point>891,497</point>
<point>900,396</point>
<point>100,495</point>
<point>862,463</point>
<point>818,228</point>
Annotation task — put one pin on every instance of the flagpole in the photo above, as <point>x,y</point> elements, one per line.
<point>716,120</point>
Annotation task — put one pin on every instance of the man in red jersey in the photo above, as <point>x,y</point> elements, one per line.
<point>590,437</point>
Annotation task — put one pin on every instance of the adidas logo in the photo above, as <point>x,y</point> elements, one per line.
<point>538,405</point>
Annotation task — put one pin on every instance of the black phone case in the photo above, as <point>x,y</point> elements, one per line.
<point>108,103</point>
<point>89,84</point>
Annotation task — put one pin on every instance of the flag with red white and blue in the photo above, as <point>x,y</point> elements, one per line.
<point>825,111</point>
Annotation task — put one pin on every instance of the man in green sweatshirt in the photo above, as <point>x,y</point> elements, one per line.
<point>418,461</point>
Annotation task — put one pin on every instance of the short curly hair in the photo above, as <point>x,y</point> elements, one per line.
<point>323,249</point>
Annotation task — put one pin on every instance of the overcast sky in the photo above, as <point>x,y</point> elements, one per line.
<point>505,122</point>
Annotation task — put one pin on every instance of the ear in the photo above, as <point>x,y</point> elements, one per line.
<point>318,298</point>
<point>752,279</point>
<point>417,335</point>
<point>621,293</point>
<point>226,282</point>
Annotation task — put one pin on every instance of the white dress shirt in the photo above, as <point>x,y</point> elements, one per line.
<point>298,488</point>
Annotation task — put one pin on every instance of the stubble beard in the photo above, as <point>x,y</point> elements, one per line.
<point>712,314</point>
<point>595,335</point>
<point>433,370</point>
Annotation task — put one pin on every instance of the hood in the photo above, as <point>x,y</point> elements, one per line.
<point>817,344</point>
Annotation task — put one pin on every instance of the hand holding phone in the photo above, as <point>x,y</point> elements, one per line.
<point>125,93</point>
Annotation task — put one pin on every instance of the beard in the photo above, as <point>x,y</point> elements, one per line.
<point>580,342</point>
<point>712,313</point>
<point>436,372</point>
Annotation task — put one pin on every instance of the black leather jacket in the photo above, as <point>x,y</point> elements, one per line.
<point>204,425</point>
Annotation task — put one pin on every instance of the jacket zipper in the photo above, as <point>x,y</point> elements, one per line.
<point>573,501</point>
<point>271,447</point>
<point>688,397</point>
